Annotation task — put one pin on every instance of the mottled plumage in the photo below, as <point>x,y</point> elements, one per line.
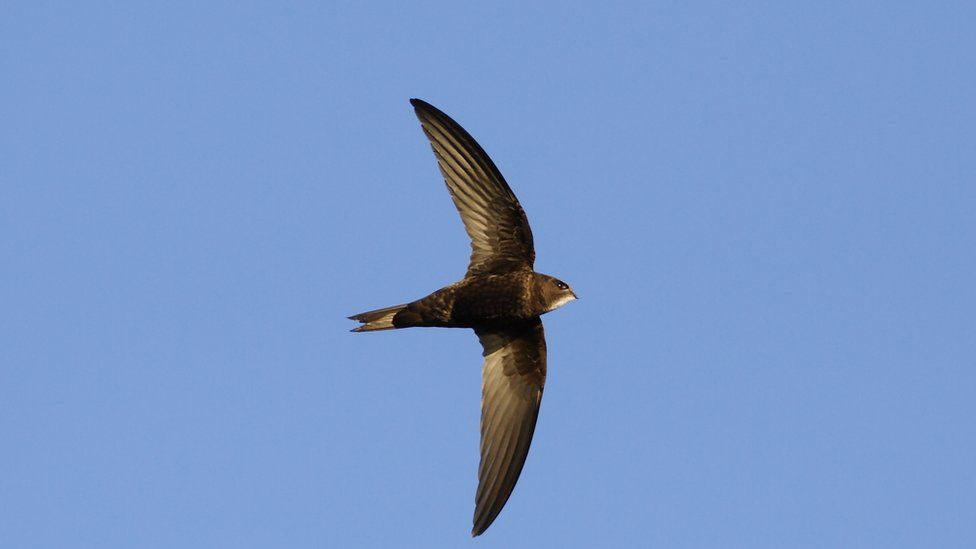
<point>501,297</point>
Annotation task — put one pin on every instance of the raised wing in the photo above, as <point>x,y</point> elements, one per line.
<point>512,379</point>
<point>501,240</point>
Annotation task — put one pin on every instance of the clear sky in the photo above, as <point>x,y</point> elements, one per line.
<point>767,209</point>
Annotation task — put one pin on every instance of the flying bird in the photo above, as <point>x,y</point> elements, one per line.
<point>501,297</point>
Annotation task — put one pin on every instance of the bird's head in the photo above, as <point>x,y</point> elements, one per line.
<point>555,292</point>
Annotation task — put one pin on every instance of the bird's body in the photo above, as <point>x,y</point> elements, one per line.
<point>500,297</point>
<point>474,302</point>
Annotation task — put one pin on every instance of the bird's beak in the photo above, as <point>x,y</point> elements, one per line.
<point>574,294</point>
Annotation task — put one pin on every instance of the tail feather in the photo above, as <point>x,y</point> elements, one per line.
<point>380,319</point>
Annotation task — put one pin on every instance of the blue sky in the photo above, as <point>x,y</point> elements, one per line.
<point>767,210</point>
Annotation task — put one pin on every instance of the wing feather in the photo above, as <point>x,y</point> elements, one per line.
<point>513,377</point>
<point>501,240</point>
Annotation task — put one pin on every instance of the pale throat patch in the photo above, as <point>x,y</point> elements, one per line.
<point>561,301</point>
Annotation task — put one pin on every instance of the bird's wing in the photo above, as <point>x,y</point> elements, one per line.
<point>501,240</point>
<point>511,389</point>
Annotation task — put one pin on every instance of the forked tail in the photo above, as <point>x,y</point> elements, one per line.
<point>380,319</point>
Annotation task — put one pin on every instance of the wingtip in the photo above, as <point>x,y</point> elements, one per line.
<point>481,524</point>
<point>421,105</point>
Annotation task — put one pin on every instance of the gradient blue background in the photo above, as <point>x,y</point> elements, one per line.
<point>767,210</point>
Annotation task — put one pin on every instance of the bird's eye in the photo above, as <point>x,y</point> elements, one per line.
<point>561,285</point>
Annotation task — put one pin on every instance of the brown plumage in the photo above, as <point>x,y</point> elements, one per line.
<point>501,297</point>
